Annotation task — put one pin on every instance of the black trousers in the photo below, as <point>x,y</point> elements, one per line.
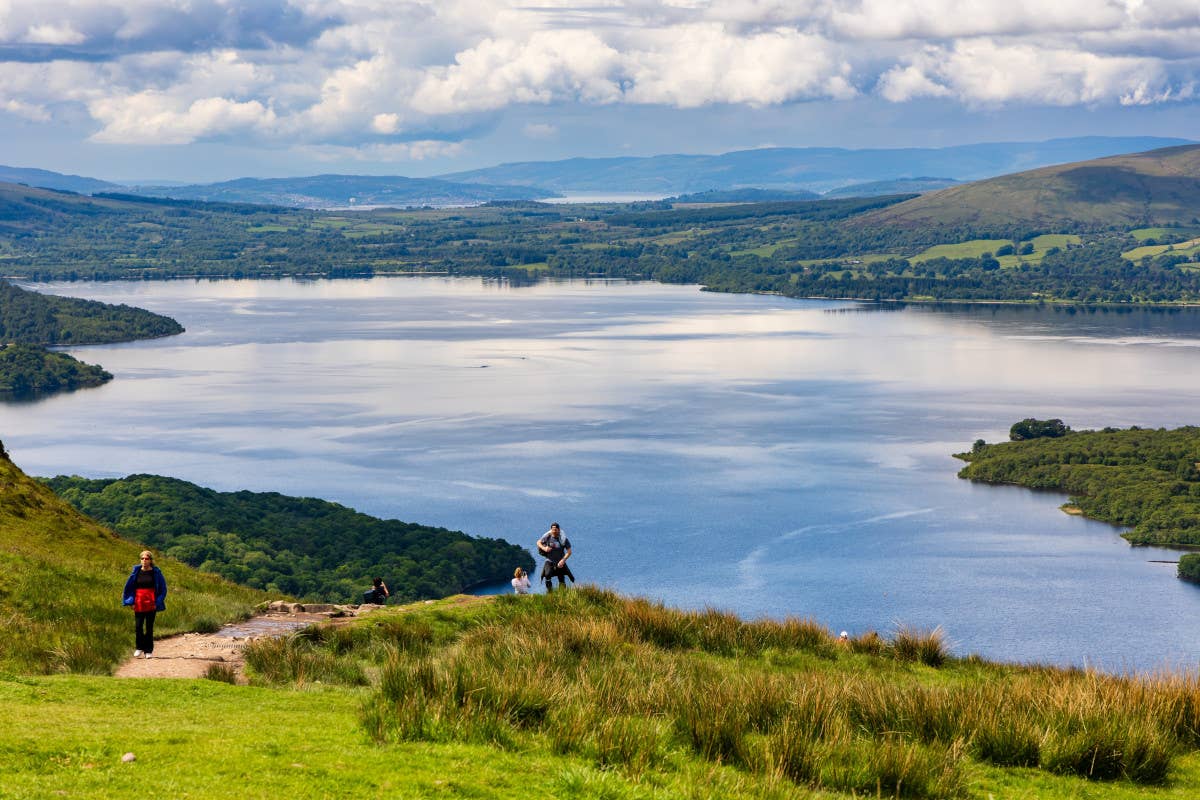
<point>144,630</point>
<point>550,570</point>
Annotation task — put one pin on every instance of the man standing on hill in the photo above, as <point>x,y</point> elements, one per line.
<point>556,549</point>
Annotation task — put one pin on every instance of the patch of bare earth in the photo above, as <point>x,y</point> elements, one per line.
<point>191,654</point>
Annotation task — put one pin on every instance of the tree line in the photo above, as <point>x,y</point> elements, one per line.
<point>304,547</point>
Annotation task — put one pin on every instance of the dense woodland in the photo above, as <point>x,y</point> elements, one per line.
<point>1147,480</point>
<point>42,319</point>
<point>26,369</point>
<point>303,547</point>
<point>29,320</point>
<point>818,248</point>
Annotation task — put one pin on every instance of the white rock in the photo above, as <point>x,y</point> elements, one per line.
<point>129,758</point>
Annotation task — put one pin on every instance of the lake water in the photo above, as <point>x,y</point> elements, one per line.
<point>767,456</point>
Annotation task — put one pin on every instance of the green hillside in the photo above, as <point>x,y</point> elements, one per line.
<point>581,693</point>
<point>60,599</point>
<point>301,546</point>
<point>1128,191</point>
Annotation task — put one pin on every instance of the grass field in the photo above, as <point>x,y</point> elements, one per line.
<point>1142,234</point>
<point>1188,248</point>
<point>970,249</point>
<point>977,247</point>
<point>765,251</point>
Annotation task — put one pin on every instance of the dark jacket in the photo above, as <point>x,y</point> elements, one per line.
<point>160,588</point>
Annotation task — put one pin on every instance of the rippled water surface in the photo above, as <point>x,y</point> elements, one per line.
<point>756,454</point>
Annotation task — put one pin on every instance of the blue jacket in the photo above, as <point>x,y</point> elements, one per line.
<point>160,588</point>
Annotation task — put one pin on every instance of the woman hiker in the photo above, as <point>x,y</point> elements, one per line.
<point>146,591</point>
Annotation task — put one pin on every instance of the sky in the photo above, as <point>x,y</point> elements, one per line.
<point>208,90</point>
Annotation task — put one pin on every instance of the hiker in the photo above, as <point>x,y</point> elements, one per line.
<point>520,581</point>
<point>145,591</point>
<point>556,549</point>
<point>377,594</point>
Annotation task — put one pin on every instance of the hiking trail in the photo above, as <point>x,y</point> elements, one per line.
<point>189,655</point>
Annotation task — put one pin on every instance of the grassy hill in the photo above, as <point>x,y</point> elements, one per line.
<point>60,598</point>
<point>1152,188</point>
<point>581,693</point>
<point>587,694</point>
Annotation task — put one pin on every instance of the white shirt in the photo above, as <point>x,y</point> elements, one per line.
<point>521,585</point>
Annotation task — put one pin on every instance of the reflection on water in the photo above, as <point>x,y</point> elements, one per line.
<point>751,453</point>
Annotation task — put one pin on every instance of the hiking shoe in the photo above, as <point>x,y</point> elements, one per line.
<point>137,654</point>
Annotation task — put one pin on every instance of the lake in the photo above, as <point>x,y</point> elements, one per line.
<point>762,455</point>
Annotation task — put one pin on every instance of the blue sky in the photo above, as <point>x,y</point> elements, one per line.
<point>204,90</point>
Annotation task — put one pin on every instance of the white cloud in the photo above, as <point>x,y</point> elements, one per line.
<point>988,72</point>
<point>25,110</point>
<point>421,150</point>
<point>549,66</point>
<point>156,118</point>
<point>358,72</point>
<point>540,130</point>
<point>700,64</point>
<point>53,34</point>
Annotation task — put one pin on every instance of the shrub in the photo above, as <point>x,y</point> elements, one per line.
<point>927,647</point>
<point>221,672</point>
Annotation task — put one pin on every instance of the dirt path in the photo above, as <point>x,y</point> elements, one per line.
<point>190,655</point>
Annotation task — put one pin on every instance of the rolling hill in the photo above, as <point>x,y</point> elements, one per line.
<point>46,179</point>
<point>818,169</point>
<point>1159,187</point>
<point>346,191</point>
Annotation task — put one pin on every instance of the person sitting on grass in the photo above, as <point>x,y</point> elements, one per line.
<point>377,594</point>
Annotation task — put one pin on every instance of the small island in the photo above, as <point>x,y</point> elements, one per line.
<point>1145,479</point>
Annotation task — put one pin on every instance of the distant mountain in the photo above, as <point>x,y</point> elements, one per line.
<point>345,191</point>
<point>898,186</point>
<point>1157,187</point>
<point>746,196</point>
<point>818,169</point>
<point>56,180</point>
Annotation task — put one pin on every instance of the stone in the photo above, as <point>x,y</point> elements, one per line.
<point>128,758</point>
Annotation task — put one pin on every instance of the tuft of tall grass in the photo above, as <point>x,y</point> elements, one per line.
<point>894,767</point>
<point>295,658</point>
<point>633,743</point>
<point>1108,749</point>
<point>634,686</point>
<point>870,643</point>
<point>221,672</point>
<point>926,647</point>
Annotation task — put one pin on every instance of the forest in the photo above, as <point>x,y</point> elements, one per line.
<point>808,248</point>
<point>1145,479</point>
<point>26,370</point>
<point>31,320</point>
<point>300,546</point>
